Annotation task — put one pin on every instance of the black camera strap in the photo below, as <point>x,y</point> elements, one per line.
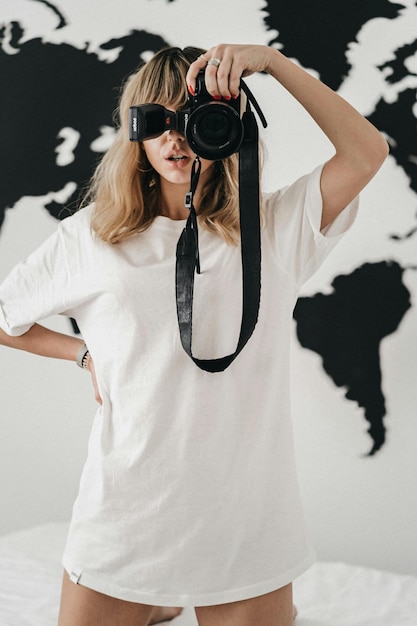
<point>188,258</point>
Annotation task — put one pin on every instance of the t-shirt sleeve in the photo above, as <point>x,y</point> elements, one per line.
<point>293,217</point>
<point>48,282</point>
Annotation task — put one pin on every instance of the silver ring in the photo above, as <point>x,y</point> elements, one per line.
<point>203,57</point>
<point>214,61</point>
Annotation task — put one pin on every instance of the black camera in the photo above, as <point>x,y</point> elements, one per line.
<point>213,128</point>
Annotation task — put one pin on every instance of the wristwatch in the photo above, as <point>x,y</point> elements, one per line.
<point>82,357</point>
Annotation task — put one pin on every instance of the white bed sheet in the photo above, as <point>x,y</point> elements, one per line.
<point>329,594</point>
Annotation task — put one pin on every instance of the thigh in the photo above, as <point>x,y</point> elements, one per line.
<point>81,606</point>
<point>271,609</point>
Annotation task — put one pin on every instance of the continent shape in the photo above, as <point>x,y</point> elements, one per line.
<point>346,328</point>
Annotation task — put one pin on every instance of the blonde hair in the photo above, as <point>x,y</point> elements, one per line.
<point>125,188</point>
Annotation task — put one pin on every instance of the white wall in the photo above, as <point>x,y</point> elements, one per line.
<point>360,510</point>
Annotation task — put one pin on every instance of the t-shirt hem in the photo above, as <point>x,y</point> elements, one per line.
<point>187,600</point>
<point>15,331</point>
<point>341,223</point>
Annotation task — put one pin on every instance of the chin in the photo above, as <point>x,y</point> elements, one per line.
<point>179,178</point>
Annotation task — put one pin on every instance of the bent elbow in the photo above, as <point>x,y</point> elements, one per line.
<point>378,154</point>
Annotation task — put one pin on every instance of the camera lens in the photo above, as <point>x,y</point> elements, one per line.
<point>214,128</point>
<point>214,131</point>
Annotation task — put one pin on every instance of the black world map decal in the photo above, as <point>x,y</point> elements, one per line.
<point>59,96</point>
<point>57,93</point>
<point>346,328</point>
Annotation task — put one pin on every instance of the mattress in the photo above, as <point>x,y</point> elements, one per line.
<point>328,594</point>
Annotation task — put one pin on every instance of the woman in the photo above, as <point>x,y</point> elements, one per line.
<point>189,494</point>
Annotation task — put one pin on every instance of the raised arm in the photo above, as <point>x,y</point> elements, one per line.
<point>360,149</point>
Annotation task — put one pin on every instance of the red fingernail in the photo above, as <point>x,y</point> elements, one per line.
<point>217,97</point>
<point>234,96</point>
<point>191,90</point>
<point>227,98</point>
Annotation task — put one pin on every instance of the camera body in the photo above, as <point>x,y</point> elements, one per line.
<point>213,128</point>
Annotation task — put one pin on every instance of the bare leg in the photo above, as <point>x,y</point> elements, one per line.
<point>271,609</point>
<point>81,606</point>
<point>164,614</point>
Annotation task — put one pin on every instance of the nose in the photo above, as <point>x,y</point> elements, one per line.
<point>175,135</point>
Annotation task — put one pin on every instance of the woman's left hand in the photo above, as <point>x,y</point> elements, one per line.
<point>232,63</point>
<point>92,370</point>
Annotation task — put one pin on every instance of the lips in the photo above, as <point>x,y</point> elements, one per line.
<point>176,156</point>
<point>177,159</point>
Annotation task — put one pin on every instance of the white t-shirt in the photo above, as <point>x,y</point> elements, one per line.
<point>189,493</point>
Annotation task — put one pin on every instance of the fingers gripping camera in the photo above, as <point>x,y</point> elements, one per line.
<point>213,128</point>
